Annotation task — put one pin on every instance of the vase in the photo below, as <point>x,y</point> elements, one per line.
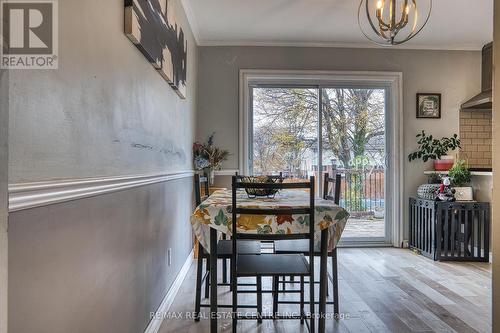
<point>445,163</point>
<point>428,191</point>
<point>210,173</point>
<point>464,193</point>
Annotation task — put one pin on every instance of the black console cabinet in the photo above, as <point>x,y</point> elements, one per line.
<point>457,231</point>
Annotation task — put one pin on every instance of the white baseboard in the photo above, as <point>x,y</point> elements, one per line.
<point>168,300</point>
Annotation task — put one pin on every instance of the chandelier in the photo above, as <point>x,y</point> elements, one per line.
<point>391,22</point>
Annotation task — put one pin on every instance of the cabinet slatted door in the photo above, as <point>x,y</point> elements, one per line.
<point>422,228</point>
<point>457,231</point>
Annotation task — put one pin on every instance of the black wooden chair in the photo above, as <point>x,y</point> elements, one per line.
<point>271,264</point>
<point>277,177</point>
<point>301,246</point>
<point>224,251</point>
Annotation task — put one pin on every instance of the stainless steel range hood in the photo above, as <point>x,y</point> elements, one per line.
<point>484,100</point>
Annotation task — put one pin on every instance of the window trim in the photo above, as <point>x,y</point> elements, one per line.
<point>392,81</point>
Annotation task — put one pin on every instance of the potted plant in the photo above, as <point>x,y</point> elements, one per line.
<point>460,177</point>
<point>430,148</point>
<point>434,178</point>
<point>208,158</point>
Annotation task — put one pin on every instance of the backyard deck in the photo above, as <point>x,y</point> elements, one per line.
<point>358,227</point>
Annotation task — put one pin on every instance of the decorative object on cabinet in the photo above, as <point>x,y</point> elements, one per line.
<point>434,178</point>
<point>429,190</point>
<point>446,192</point>
<point>430,148</point>
<point>460,176</point>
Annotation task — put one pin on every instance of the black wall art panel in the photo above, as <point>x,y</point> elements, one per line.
<point>151,26</point>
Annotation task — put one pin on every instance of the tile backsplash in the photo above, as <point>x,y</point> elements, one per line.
<point>475,133</point>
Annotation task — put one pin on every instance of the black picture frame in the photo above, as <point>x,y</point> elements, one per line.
<point>423,112</point>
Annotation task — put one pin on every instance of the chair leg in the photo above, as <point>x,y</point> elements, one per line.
<point>335,285</point>
<point>259,299</point>
<point>207,279</point>
<point>327,288</point>
<point>224,270</point>
<point>312,326</point>
<point>302,290</point>
<point>230,275</point>
<point>275,295</point>
<point>224,265</point>
<point>197,307</point>
<point>234,290</point>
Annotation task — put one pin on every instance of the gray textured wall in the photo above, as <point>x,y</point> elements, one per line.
<point>98,264</point>
<point>4,151</point>
<point>455,74</point>
<point>105,111</point>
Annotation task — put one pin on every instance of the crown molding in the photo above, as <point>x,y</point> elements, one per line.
<point>360,45</point>
<point>193,23</point>
<point>36,194</point>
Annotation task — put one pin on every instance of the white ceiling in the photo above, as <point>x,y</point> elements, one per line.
<point>454,24</point>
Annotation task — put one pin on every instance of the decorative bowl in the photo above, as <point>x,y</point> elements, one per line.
<point>261,192</point>
<point>428,191</point>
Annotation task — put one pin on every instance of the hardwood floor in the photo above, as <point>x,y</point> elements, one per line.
<point>381,290</point>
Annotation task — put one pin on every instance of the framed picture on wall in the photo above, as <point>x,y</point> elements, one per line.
<point>428,105</point>
<point>152,26</point>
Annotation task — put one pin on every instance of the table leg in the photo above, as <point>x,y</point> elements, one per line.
<point>323,280</point>
<point>335,275</point>
<point>213,280</point>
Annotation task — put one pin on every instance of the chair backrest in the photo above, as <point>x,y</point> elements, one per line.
<point>277,177</point>
<point>200,181</point>
<point>309,210</point>
<point>336,190</point>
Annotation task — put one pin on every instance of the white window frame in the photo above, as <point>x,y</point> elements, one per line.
<point>391,81</point>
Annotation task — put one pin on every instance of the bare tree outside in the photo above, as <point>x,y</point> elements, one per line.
<point>285,139</point>
<point>353,125</point>
<point>285,130</point>
<point>285,127</point>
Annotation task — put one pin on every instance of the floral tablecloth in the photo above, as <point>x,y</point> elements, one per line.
<point>215,212</point>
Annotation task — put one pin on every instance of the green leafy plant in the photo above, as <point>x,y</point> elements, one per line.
<point>434,178</point>
<point>460,174</point>
<point>430,148</point>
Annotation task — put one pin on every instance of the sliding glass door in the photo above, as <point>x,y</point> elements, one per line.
<point>353,144</point>
<point>312,130</point>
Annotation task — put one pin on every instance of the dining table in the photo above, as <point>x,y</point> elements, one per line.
<point>212,218</point>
